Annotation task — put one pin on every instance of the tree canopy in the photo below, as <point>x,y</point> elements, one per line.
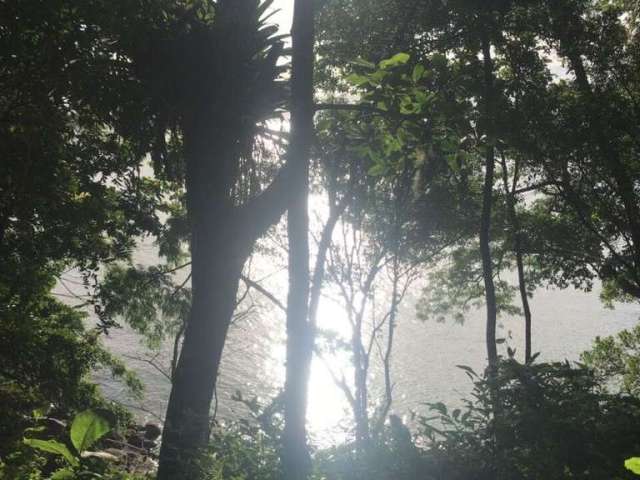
<point>428,156</point>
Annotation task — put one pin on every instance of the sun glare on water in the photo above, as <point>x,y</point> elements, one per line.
<point>327,407</point>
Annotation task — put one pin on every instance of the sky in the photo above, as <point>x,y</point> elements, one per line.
<point>285,14</point>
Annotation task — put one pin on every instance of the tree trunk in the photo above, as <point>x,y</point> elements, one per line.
<point>215,282</point>
<point>517,247</point>
<point>218,252</point>
<point>487,204</point>
<point>216,129</point>
<point>222,237</point>
<point>300,340</point>
<point>300,332</point>
<point>522,284</point>
<point>393,313</point>
<point>360,363</point>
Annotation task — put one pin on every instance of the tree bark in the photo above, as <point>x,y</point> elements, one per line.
<point>186,429</point>
<point>393,312</point>
<point>300,334</point>
<point>216,126</point>
<point>219,248</point>
<point>487,204</point>
<point>361,367</point>
<point>222,238</point>
<point>362,356</point>
<point>522,285</point>
<point>517,248</point>
<point>335,212</point>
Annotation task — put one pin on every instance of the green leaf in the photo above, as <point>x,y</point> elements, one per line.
<point>87,428</point>
<point>377,169</point>
<point>52,446</point>
<point>63,474</point>
<point>361,62</point>
<point>467,369</point>
<point>439,407</point>
<point>397,59</point>
<point>377,77</point>
<point>424,97</point>
<point>633,464</point>
<point>452,161</point>
<point>263,7</point>
<point>439,60</point>
<point>37,429</point>
<point>418,71</point>
<point>357,80</point>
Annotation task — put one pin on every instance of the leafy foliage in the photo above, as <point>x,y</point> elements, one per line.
<point>95,95</point>
<point>86,430</point>
<point>392,454</point>
<point>47,357</point>
<point>616,361</point>
<point>633,464</point>
<point>548,421</point>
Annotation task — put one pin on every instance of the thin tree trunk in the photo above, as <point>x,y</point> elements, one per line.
<point>393,311</point>
<point>360,361</point>
<point>517,247</point>
<point>335,212</point>
<point>522,284</point>
<point>485,247</point>
<point>300,335</point>
<point>487,204</point>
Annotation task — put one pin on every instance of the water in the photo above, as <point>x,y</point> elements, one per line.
<point>425,356</point>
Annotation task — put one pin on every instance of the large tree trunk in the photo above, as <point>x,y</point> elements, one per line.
<point>218,252</point>
<point>217,125</point>
<point>222,237</point>
<point>300,340</point>
<point>300,331</point>
<point>216,271</point>
<point>487,204</point>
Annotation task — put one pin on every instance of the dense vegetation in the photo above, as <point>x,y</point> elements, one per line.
<point>466,151</point>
